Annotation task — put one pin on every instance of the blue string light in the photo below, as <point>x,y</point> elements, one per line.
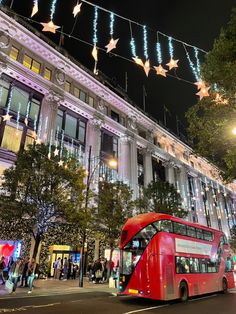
<point>9,102</point>
<point>35,122</point>
<point>145,47</point>
<point>111,24</point>
<point>196,52</point>
<point>53,9</point>
<point>192,65</point>
<point>171,48</point>
<point>133,47</point>
<point>159,54</point>
<point>18,116</point>
<point>27,110</point>
<point>95,24</point>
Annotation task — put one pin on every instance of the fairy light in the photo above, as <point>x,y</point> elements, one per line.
<point>133,47</point>
<point>18,119</point>
<point>159,53</point>
<point>40,126</point>
<point>192,66</point>
<point>112,19</point>
<point>53,9</point>
<point>46,127</point>
<point>9,102</point>
<point>145,46</point>
<point>50,145</point>
<point>171,48</point>
<point>27,113</point>
<point>62,143</point>
<point>196,53</point>
<point>95,24</point>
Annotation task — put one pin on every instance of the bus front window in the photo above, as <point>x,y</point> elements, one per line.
<point>134,249</point>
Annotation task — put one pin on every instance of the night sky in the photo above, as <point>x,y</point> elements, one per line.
<point>194,22</point>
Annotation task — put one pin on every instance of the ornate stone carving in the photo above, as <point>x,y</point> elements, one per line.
<point>125,139</point>
<point>60,77</point>
<point>53,98</point>
<point>4,40</point>
<point>3,67</point>
<point>132,122</point>
<point>96,123</point>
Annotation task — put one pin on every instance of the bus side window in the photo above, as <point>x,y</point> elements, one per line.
<point>164,225</point>
<point>207,235</point>
<point>191,232</point>
<point>182,265</point>
<point>199,233</point>
<point>194,265</point>
<point>211,267</point>
<point>179,228</point>
<point>203,266</point>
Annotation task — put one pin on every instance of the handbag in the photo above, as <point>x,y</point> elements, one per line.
<point>98,274</point>
<point>9,285</point>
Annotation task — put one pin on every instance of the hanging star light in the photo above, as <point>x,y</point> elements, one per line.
<point>95,53</point>
<point>77,9</point>
<point>172,63</point>
<point>203,92</point>
<point>200,84</point>
<point>112,44</point>
<point>38,141</point>
<point>35,8</point>
<point>56,152</point>
<point>60,163</point>
<point>138,61</point>
<point>49,27</point>
<point>7,117</point>
<point>146,67</point>
<point>160,70</point>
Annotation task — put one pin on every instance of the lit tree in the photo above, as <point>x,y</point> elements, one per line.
<point>39,191</point>
<point>161,197</point>
<point>212,119</point>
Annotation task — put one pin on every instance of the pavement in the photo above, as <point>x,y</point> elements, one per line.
<point>47,287</point>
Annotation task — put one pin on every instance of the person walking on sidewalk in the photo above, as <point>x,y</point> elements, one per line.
<point>2,267</point>
<point>57,268</point>
<point>65,268</point>
<point>9,265</point>
<point>24,277</point>
<point>15,273</point>
<point>31,274</point>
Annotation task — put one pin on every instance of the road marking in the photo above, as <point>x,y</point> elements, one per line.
<point>45,305</point>
<point>146,309</point>
<point>207,297</point>
<point>24,308</point>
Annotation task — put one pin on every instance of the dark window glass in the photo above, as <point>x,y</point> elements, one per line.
<point>115,116</point>
<point>70,126</point>
<point>194,265</point>
<point>82,131</point>
<point>203,265</point>
<point>164,225</point>
<point>82,95</point>
<point>199,233</point>
<point>191,232</point>
<point>211,267</point>
<point>182,265</point>
<point>179,228</point>
<point>34,109</point>
<point>4,88</point>
<point>19,100</point>
<point>207,235</point>
<point>107,144</point>
<point>59,120</point>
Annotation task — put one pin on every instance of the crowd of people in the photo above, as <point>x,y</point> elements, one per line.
<point>65,269</point>
<point>20,272</point>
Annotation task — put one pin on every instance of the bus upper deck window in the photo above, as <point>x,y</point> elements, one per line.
<point>164,225</point>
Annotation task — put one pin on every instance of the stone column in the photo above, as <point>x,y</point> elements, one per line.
<point>184,191</point>
<point>134,168</point>
<point>48,115</point>
<point>124,162</point>
<point>170,172</point>
<point>147,162</point>
<point>199,202</point>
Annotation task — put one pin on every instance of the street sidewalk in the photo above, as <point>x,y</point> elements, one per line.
<point>47,287</point>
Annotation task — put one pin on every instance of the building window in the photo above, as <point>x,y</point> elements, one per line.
<point>70,126</point>
<point>14,53</point>
<point>122,121</point>
<point>47,74</point>
<point>67,86</point>
<point>32,64</point>
<point>10,132</point>
<point>91,101</point>
<point>115,116</point>
<point>76,92</point>
<point>82,131</point>
<point>82,95</point>
<point>4,89</point>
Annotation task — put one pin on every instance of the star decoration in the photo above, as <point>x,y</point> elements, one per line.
<point>172,64</point>
<point>138,61</point>
<point>26,121</point>
<point>38,141</point>
<point>200,84</point>
<point>56,152</point>
<point>95,53</point>
<point>77,9</point>
<point>7,117</point>
<point>220,100</point>
<point>146,67</point>
<point>35,9</point>
<point>49,155</point>
<point>160,70</point>
<point>203,92</point>
<point>60,163</point>
<point>112,44</point>
<point>50,27</point>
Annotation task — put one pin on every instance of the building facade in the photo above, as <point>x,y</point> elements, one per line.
<point>49,94</point>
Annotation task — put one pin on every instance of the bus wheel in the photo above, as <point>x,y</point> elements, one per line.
<point>183,291</point>
<point>224,286</point>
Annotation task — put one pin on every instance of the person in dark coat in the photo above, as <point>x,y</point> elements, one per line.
<point>24,276</point>
<point>97,270</point>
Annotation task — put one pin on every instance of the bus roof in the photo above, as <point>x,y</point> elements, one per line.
<point>136,223</point>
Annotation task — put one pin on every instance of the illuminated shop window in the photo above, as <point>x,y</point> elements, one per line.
<point>76,92</point>
<point>14,53</point>
<point>4,89</point>
<point>19,100</point>
<point>47,74</point>
<point>67,86</point>
<point>11,132</point>
<point>32,64</point>
<point>29,140</point>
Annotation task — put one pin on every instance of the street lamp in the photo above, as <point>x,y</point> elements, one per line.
<point>234,131</point>
<point>112,163</point>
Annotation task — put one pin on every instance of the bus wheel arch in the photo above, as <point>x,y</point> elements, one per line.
<point>224,285</point>
<point>183,291</point>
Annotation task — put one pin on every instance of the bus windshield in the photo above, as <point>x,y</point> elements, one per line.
<point>134,249</point>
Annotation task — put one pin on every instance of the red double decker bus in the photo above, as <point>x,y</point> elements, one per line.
<point>164,258</point>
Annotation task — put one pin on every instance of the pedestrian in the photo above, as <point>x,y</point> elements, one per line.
<point>65,268</point>
<point>90,271</point>
<point>2,267</point>
<point>9,265</point>
<point>24,277</point>
<point>57,268</point>
<point>15,273</point>
<point>74,271</point>
<point>97,270</point>
<point>31,273</point>
<point>70,263</point>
